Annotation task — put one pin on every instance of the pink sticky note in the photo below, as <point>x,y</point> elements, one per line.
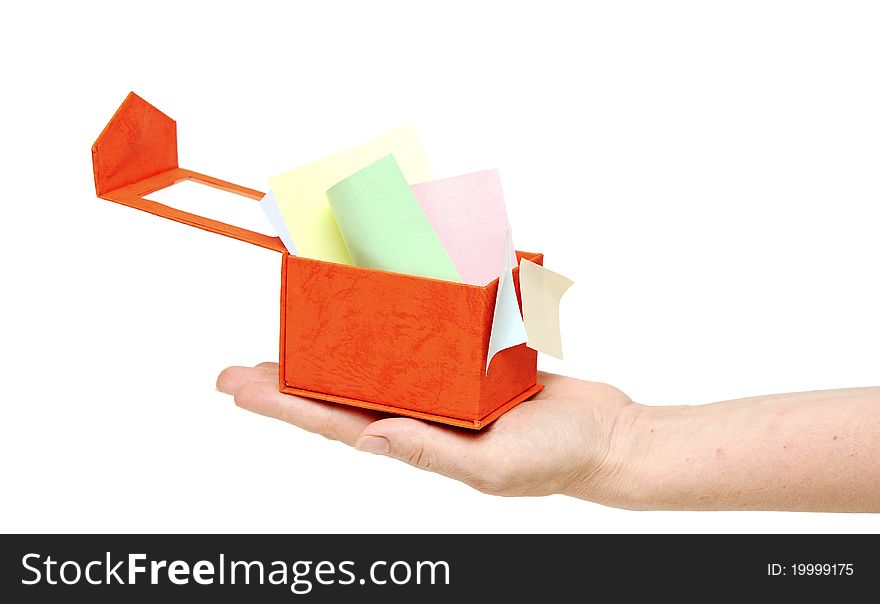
<point>469,216</point>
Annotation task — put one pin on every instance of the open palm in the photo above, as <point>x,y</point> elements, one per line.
<point>560,441</point>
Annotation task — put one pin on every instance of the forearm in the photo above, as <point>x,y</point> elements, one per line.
<point>816,451</point>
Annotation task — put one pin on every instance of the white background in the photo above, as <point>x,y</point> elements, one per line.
<point>707,173</point>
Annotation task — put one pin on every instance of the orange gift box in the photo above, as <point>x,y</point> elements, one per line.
<point>380,340</point>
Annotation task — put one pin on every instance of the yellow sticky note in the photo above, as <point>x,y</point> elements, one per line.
<point>302,192</point>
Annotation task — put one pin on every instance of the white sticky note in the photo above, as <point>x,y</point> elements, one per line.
<point>507,324</point>
<point>541,291</point>
<point>273,213</point>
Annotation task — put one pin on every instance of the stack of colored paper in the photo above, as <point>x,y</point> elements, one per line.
<point>377,206</point>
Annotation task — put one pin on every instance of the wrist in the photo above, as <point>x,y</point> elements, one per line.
<point>621,477</point>
<point>653,465</point>
<point>609,472</point>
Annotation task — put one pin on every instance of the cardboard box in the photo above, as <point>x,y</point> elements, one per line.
<point>379,340</point>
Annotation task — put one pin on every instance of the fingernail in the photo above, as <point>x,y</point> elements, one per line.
<point>374,444</point>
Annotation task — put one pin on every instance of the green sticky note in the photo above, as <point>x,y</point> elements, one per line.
<point>383,225</point>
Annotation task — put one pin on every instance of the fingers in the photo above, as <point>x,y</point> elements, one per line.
<point>429,447</point>
<point>233,378</point>
<point>457,454</point>
<point>256,390</point>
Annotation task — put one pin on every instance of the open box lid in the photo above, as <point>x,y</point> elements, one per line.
<point>136,154</point>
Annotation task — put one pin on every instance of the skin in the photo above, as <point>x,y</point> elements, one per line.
<point>813,451</point>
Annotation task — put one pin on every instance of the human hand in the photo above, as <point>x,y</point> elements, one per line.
<point>571,438</point>
<point>809,451</point>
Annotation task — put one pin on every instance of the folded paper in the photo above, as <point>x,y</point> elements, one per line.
<point>469,216</point>
<point>507,324</point>
<point>383,226</point>
<point>541,291</point>
<point>302,198</point>
<point>270,207</point>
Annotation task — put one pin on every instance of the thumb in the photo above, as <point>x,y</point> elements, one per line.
<point>425,446</point>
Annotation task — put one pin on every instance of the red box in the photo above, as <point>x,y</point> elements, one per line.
<point>374,339</point>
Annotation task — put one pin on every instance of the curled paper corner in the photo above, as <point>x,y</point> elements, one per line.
<point>507,324</point>
<point>542,290</point>
<point>269,204</point>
